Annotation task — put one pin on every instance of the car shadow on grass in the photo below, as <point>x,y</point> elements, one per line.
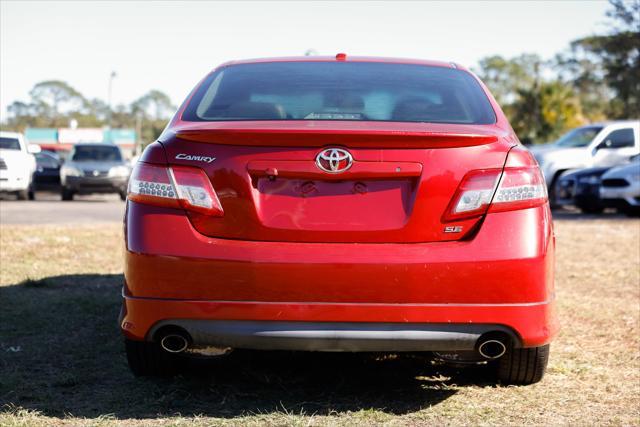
<point>61,353</point>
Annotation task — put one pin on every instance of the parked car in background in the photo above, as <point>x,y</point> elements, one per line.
<point>598,145</point>
<point>94,168</point>
<point>47,174</point>
<point>620,188</point>
<point>580,188</point>
<point>339,204</point>
<point>17,165</point>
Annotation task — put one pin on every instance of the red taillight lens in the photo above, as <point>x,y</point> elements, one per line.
<point>174,186</point>
<point>519,188</point>
<point>495,191</point>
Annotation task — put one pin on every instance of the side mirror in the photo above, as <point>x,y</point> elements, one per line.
<point>606,144</point>
<point>33,148</point>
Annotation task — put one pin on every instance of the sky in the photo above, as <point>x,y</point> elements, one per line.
<point>170,45</point>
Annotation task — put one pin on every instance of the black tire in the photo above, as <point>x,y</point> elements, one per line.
<point>123,195</point>
<point>523,366</point>
<point>22,195</point>
<point>591,209</point>
<point>551,190</point>
<point>148,359</point>
<point>631,211</point>
<point>66,194</point>
<point>31,195</point>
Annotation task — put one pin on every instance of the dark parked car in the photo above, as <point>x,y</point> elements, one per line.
<point>47,174</point>
<point>94,168</point>
<point>581,188</point>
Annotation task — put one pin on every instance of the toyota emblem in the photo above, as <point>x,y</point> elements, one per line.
<point>334,160</point>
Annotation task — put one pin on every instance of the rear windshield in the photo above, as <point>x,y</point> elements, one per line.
<point>9,143</point>
<point>340,91</point>
<point>96,154</point>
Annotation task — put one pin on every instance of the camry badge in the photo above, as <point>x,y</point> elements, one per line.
<point>206,159</point>
<point>334,160</point>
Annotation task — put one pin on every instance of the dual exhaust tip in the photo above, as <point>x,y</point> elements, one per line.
<point>177,342</point>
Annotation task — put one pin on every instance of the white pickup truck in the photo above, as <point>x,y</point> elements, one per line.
<point>597,145</point>
<point>17,165</point>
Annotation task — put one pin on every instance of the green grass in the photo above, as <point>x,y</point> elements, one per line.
<point>62,359</point>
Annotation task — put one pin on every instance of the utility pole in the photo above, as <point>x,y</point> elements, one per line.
<point>139,142</point>
<point>111,77</point>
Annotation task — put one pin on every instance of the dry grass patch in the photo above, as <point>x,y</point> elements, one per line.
<point>61,358</point>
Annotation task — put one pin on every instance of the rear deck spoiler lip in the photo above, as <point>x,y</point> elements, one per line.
<point>322,136</point>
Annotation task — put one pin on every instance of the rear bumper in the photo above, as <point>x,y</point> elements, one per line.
<point>334,336</point>
<point>392,327</point>
<point>503,277</point>
<point>96,185</point>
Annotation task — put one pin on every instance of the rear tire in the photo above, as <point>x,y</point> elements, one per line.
<point>148,359</point>
<point>66,194</point>
<point>523,366</point>
<point>22,195</point>
<point>632,211</point>
<point>591,209</point>
<point>123,195</point>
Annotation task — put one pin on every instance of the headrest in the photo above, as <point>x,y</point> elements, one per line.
<point>256,110</point>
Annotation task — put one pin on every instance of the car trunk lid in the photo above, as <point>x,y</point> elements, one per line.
<point>397,188</point>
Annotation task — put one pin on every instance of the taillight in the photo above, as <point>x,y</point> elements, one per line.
<point>494,190</point>
<point>174,186</point>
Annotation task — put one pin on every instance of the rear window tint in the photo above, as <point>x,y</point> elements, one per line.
<point>340,91</point>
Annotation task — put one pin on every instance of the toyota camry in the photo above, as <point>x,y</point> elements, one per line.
<point>339,203</point>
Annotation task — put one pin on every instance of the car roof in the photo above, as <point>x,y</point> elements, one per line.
<point>10,134</point>
<point>613,122</point>
<point>348,58</point>
<point>94,144</point>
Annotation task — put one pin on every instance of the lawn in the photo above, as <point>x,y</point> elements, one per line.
<point>62,361</point>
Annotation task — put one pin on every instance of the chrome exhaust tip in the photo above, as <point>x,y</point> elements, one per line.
<point>492,349</point>
<point>174,343</point>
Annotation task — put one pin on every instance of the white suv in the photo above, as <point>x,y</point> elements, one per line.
<point>596,145</point>
<point>17,165</point>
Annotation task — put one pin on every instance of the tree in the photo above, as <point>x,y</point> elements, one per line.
<point>54,103</point>
<point>154,104</point>
<point>616,57</point>
<point>505,77</point>
<point>539,109</point>
<point>54,98</point>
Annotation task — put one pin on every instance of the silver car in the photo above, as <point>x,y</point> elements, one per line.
<point>598,145</point>
<point>94,168</point>
<point>620,187</point>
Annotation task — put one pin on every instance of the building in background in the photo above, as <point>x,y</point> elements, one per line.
<point>63,139</point>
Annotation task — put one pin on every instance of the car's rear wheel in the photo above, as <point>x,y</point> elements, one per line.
<point>66,194</point>
<point>22,194</point>
<point>123,195</point>
<point>149,359</point>
<point>523,365</point>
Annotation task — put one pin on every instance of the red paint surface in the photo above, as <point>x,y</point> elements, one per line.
<point>368,245</point>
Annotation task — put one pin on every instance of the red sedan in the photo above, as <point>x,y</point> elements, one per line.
<point>339,204</point>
